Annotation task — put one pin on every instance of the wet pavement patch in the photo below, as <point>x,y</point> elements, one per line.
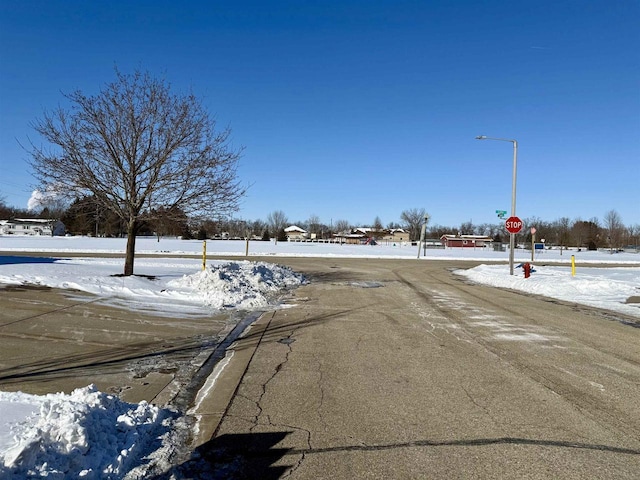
<point>366,284</point>
<point>15,259</point>
<point>24,287</point>
<point>148,277</point>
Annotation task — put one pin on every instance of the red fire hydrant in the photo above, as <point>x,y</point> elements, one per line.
<point>527,270</point>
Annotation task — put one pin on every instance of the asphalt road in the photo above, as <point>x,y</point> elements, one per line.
<point>399,369</point>
<point>56,341</point>
<point>377,369</point>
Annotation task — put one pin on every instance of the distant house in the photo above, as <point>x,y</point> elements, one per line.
<point>295,233</point>
<point>32,226</point>
<point>369,236</point>
<point>350,237</point>
<point>465,241</point>
<point>366,231</point>
<point>395,235</point>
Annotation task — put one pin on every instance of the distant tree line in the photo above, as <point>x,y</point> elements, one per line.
<point>85,216</point>
<point>590,234</point>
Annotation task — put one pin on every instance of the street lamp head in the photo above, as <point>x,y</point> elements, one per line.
<point>484,137</point>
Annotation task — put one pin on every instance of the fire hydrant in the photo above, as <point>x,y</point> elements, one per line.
<point>527,270</point>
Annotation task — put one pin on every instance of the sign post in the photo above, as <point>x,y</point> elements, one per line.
<point>513,226</point>
<point>204,255</point>
<point>533,241</point>
<point>423,237</point>
<point>513,192</point>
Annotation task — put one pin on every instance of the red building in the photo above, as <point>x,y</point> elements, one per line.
<point>465,241</point>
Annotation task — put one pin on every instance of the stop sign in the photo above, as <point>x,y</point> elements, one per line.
<point>513,224</point>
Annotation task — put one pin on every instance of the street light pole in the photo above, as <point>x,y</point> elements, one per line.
<point>512,236</point>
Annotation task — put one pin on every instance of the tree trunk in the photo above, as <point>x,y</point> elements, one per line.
<point>132,228</point>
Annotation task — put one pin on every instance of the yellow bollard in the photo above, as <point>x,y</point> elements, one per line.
<point>204,255</point>
<point>573,265</point>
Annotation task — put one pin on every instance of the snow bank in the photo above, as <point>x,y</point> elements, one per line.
<point>164,286</point>
<point>242,285</point>
<point>607,288</point>
<point>87,434</point>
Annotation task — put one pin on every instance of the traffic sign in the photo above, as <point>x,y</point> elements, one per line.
<point>513,224</point>
<point>501,213</point>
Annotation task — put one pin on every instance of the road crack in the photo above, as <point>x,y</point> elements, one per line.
<point>262,418</point>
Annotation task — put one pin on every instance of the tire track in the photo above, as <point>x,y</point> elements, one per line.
<point>557,380</point>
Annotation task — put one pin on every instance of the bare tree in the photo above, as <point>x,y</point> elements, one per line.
<point>467,228</point>
<point>277,220</point>
<point>615,228</point>
<point>544,230</point>
<point>4,210</point>
<point>137,146</point>
<point>413,220</point>
<point>436,231</point>
<point>561,227</point>
<point>8,212</point>
<point>633,235</point>
<point>586,233</point>
<point>484,229</point>
<point>341,226</point>
<point>258,228</point>
<point>393,226</point>
<point>313,224</point>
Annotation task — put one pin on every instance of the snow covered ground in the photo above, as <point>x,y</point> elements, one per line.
<point>149,245</point>
<point>165,286</point>
<point>89,434</point>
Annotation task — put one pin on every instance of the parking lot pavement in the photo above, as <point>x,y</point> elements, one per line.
<point>390,369</point>
<point>56,341</point>
<point>375,369</point>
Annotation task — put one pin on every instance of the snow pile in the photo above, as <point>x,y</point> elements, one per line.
<point>241,285</point>
<point>608,288</point>
<point>164,286</point>
<point>86,434</point>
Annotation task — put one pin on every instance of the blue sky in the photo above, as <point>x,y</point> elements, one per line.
<point>357,109</point>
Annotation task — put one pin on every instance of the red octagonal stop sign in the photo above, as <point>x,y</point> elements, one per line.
<point>513,224</point>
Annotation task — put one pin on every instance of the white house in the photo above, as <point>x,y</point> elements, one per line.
<point>395,235</point>
<point>31,226</point>
<point>295,233</point>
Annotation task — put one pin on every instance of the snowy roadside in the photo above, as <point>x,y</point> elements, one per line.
<point>238,248</point>
<point>164,286</point>
<point>613,288</point>
<point>86,434</point>
<point>89,434</point>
